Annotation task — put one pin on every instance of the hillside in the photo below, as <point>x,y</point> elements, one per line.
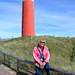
<point>62,50</point>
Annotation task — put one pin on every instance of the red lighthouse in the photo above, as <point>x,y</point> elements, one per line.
<point>28,26</point>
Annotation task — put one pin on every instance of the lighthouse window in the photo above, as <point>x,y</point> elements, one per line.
<point>31,8</point>
<point>31,21</point>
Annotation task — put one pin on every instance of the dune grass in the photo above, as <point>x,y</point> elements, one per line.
<point>62,50</point>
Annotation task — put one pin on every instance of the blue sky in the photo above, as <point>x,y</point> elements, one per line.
<point>52,17</point>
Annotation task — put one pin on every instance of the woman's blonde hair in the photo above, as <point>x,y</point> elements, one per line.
<point>41,40</point>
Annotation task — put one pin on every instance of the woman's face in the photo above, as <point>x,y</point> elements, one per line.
<point>42,44</point>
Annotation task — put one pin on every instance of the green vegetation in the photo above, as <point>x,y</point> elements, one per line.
<point>62,50</point>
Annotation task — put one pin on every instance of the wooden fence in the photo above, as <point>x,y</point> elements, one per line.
<point>32,63</point>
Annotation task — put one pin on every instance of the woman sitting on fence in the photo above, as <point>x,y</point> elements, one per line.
<point>41,57</point>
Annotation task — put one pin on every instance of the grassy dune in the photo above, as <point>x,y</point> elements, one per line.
<point>62,50</point>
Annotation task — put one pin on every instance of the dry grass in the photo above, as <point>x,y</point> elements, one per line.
<point>60,48</point>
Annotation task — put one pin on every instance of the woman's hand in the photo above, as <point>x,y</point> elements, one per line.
<point>43,64</point>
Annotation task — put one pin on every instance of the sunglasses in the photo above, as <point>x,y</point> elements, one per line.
<point>42,42</point>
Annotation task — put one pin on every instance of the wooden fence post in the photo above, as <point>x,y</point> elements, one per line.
<point>4,58</point>
<point>17,66</point>
<point>32,63</point>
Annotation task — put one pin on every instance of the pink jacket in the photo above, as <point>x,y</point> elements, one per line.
<point>36,54</point>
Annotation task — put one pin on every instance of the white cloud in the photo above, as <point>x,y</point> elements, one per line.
<point>64,24</point>
<point>5,35</point>
<point>9,6</point>
<point>49,19</point>
<point>10,19</point>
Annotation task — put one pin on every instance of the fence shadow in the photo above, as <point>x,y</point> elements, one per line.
<point>18,73</point>
<point>22,73</point>
<point>31,63</point>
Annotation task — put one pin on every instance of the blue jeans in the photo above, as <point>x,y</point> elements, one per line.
<point>46,68</point>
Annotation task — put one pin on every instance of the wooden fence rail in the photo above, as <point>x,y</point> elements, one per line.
<point>32,63</point>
